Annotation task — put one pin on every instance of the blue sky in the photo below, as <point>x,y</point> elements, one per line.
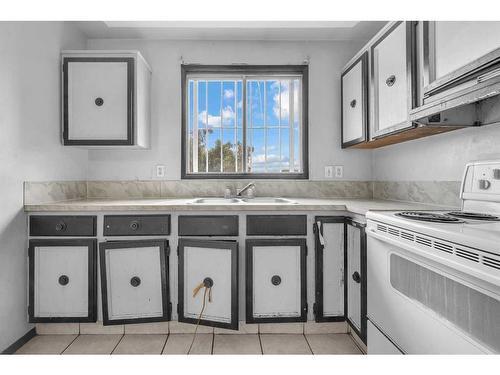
<point>263,104</point>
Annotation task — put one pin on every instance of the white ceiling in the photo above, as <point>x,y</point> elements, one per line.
<point>232,30</point>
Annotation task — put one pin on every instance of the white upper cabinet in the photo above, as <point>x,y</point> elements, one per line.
<point>105,99</point>
<point>391,77</point>
<point>354,83</point>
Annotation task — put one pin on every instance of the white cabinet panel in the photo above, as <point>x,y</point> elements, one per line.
<point>62,280</point>
<point>275,280</point>
<point>354,102</point>
<point>209,265</point>
<point>98,100</point>
<point>134,281</point>
<point>353,274</point>
<point>390,78</point>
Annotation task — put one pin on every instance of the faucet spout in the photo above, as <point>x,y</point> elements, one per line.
<point>245,188</point>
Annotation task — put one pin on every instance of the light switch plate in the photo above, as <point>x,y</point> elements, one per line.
<point>339,171</point>
<point>160,171</point>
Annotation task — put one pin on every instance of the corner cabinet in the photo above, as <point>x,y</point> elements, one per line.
<point>105,99</point>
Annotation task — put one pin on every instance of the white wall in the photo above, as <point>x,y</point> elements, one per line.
<point>29,148</point>
<point>326,62</point>
<point>436,158</point>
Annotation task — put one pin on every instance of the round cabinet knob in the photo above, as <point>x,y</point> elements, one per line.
<point>63,280</point>
<point>60,227</point>
<point>208,282</point>
<point>356,277</point>
<point>276,280</point>
<point>99,102</point>
<point>134,225</point>
<point>391,80</point>
<point>353,103</point>
<point>135,281</point>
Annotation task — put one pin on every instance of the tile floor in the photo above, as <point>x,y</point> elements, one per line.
<point>205,343</point>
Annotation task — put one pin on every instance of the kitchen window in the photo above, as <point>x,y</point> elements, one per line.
<point>244,121</point>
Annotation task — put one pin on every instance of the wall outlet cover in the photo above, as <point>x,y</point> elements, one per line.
<point>329,171</point>
<point>339,171</point>
<point>160,171</point>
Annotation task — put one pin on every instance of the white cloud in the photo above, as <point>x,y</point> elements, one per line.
<point>285,99</point>
<point>215,121</point>
<point>228,94</point>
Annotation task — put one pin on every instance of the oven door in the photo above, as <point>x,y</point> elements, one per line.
<point>423,308</point>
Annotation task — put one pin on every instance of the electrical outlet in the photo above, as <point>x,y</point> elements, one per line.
<point>160,171</point>
<point>339,171</point>
<point>329,171</point>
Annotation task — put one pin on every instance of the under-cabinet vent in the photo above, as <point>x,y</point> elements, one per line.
<point>446,248</point>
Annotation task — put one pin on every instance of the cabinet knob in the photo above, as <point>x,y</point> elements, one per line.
<point>353,103</point>
<point>63,280</point>
<point>135,281</point>
<point>61,226</point>
<point>99,101</point>
<point>134,225</point>
<point>276,280</point>
<point>208,282</point>
<point>356,277</point>
<point>391,80</point>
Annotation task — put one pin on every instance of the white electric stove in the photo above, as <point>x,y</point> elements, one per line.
<point>434,276</point>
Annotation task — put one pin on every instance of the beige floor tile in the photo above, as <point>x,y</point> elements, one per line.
<point>93,344</point>
<point>99,329</point>
<point>293,328</point>
<point>284,344</point>
<point>243,329</point>
<point>179,344</point>
<point>237,344</point>
<point>160,328</point>
<point>141,344</point>
<point>178,327</point>
<point>332,344</point>
<point>57,328</point>
<point>322,328</point>
<point>46,344</point>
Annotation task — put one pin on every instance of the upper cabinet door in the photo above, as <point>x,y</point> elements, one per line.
<point>454,49</point>
<point>392,79</point>
<point>354,84</point>
<point>105,99</point>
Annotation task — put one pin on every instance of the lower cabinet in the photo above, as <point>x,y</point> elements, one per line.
<point>62,280</point>
<point>134,281</point>
<point>208,283</point>
<point>276,280</point>
<point>356,277</point>
<point>330,257</point>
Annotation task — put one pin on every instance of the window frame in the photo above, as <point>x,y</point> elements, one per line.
<point>260,70</point>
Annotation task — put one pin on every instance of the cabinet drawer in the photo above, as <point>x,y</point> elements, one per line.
<point>276,280</point>
<point>134,281</point>
<point>136,225</point>
<point>208,225</point>
<point>62,280</point>
<point>62,226</point>
<point>276,225</point>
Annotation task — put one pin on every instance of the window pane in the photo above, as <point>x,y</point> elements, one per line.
<point>284,102</point>
<point>255,104</point>
<point>214,150</point>
<point>272,103</point>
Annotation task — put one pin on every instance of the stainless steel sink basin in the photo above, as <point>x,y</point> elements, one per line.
<point>268,200</point>
<point>257,200</point>
<point>215,201</point>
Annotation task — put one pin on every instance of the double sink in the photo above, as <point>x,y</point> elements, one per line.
<point>242,200</point>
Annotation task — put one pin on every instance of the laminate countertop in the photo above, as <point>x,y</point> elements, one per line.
<point>356,206</point>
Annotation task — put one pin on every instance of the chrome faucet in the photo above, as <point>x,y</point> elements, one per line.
<point>245,188</point>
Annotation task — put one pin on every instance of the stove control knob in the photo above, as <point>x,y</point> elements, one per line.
<point>484,184</point>
<point>496,174</point>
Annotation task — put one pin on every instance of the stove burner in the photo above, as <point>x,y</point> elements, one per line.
<point>474,215</point>
<point>428,216</point>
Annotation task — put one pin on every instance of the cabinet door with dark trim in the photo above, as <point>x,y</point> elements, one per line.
<point>329,268</point>
<point>276,280</point>
<point>208,282</point>
<point>134,281</point>
<point>356,277</point>
<point>62,280</point>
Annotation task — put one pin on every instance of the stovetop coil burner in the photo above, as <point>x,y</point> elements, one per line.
<point>474,215</point>
<point>429,217</point>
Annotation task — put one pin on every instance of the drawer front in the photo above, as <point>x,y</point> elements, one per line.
<point>98,100</point>
<point>68,226</point>
<point>136,225</point>
<point>134,278</point>
<point>389,59</point>
<point>354,102</point>
<point>276,281</point>
<point>208,225</point>
<point>62,286</point>
<point>215,264</point>
<point>276,225</point>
